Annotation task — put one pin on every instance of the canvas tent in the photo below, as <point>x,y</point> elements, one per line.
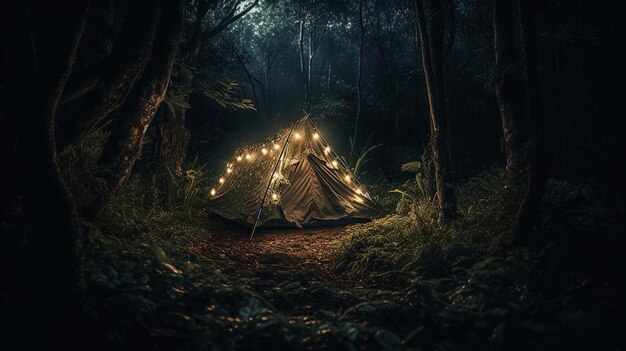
<point>293,179</point>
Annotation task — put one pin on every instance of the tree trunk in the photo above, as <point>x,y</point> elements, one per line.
<point>302,68</point>
<point>358,80</point>
<point>508,83</point>
<point>537,158</point>
<point>123,68</point>
<point>172,136</point>
<point>431,40</point>
<point>47,304</point>
<point>125,144</point>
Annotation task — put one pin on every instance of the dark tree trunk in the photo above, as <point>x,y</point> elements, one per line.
<point>125,144</point>
<point>53,281</point>
<point>172,136</point>
<point>508,83</point>
<point>302,68</point>
<point>537,158</point>
<point>123,68</point>
<point>358,80</point>
<point>431,40</point>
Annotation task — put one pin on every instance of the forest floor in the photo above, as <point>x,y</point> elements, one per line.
<point>282,249</point>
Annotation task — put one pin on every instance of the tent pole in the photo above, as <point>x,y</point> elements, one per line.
<point>258,215</point>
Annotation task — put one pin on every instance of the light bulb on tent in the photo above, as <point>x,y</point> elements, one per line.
<point>239,158</point>
<point>358,199</point>
<point>274,196</point>
<point>264,151</point>
<point>298,136</point>
<point>348,178</point>
<point>276,146</point>
<point>327,150</point>
<point>249,157</point>
<point>229,170</point>
<point>335,163</point>
<point>212,192</point>
<point>316,136</point>
<point>222,180</point>
<point>358,191</point>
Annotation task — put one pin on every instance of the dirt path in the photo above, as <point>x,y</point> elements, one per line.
<point>283,249</point>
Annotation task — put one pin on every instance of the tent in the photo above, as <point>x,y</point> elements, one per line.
<point>293,179</point>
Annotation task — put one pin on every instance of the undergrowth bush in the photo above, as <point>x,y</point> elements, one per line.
<point>412,240</point>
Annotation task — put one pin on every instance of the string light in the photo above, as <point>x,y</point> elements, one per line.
<point>222,180</point>
<point>264,151</point>
<point>359,191</point>
<point>229,170</point>
<point>212,192</point>
<point>239,158</point>
<point>335,163</point>
<point>249,157</point>
<point>327,150</point>
<point>275,175</point>
<point>348,178</point>
<point>316,136</point>
<point>298,136</point>
<point>276,146</point>
<point>358,199</point>
<point>274,197</point>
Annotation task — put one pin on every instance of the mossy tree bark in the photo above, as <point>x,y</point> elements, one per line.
<point>431,42</point>
<point>123,68</point>
<point>124,146</point>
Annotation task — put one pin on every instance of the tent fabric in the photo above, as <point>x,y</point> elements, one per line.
<point>308,185</point>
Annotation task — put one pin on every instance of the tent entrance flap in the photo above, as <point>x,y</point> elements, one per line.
<point>307,198</point>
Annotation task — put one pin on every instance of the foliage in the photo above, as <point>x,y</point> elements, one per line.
<point>412,239</point>
<point>361,159</point>
<point>426,285</point>
<point>223,91</point>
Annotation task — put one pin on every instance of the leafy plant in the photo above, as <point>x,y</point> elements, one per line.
<point>362,159</point>
<point>184,188</point>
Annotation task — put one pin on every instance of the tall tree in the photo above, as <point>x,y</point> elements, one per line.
<point>121,70</point>
<point>124,146</point>
<point>508,81</point>
<point>172,135</point>
<point>537,156</point>
<point>431,35</point>
<point>358,79</point>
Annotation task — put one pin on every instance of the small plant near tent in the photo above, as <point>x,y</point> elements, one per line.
<point>362,158</point>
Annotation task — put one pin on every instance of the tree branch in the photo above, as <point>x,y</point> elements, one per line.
<point>228,21</point>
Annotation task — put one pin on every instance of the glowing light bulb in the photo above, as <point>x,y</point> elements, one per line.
<point>276,146</point>
<point>222,180</point>
<point>249,157</point>
<point>335,163</point>
<point>229,170</point>
<point>298,136</point>
<point>327,150</point>
<point>359,191</point>
<point>358,199</point>
<point>264,151</point>
<point>275,175</point>
<point>212,192</point>
<point>316,136</point>
<point>274,197</point>
<point>348,178</point>
<point>239,158</point>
